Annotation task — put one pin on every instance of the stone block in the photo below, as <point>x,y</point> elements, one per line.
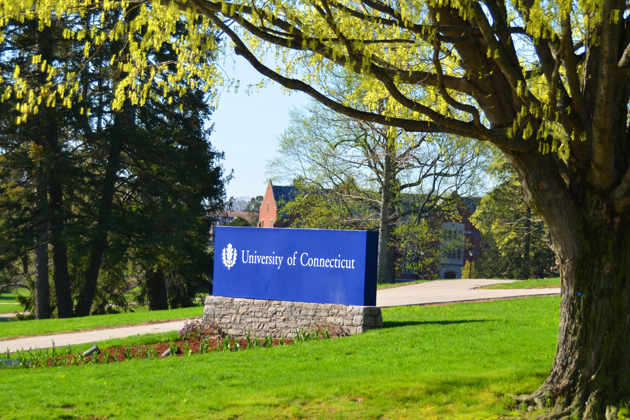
<point>357,320</point>
<point>369,321</point>
<point>375,311</point>
<point>379,321</point>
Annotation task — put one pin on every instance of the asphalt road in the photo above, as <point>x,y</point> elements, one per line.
<point>416,294</point>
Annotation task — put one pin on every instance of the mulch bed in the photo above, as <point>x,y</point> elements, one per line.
<point>124,353</point>
<point>162,347</point>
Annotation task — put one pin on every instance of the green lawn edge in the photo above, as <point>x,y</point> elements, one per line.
<point>16,329</point>
<point>527,284</point>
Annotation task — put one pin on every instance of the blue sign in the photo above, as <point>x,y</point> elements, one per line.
<point>302,265</point>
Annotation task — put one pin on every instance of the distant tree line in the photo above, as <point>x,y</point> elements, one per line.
<point>95,196</point>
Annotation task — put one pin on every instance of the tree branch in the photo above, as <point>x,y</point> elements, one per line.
<point>603,172</point>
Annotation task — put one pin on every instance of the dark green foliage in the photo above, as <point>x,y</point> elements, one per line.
<point>253,208</point>
<point>116,193</point>
<point>239,221</point>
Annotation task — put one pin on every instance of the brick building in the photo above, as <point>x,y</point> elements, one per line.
<point>271,207</point>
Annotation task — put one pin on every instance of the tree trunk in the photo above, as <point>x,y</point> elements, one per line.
<point>61,275</point>
<point>385,266</point>
<point>591,369</point>
<point>527,242</point>
<point>42,285</point>
<point>49,138</point>
<point>99,234</point>
<point>156,289</point>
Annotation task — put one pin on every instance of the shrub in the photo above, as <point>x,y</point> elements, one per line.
<point>200,328</point>
<point>334,330</point>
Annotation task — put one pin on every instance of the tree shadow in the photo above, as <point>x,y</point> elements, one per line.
<point>395,324</point>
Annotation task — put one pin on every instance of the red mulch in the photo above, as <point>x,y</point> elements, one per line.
<point>160,348</point>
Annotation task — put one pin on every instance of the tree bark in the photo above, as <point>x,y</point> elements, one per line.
<point>590,370</point>
<point>386,268</point>
<point>527,242</point>
<point>42,285</point>
<point>156,289</point>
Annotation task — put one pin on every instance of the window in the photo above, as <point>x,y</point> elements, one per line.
<point>407,268</point>
<point>267,207</point>
<point>453,242</point>
<point>262,223</point>
<point>271,223</point>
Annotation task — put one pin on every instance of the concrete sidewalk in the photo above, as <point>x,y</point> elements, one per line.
<point>416,294</point>
<point>446,291</point>
<point>60,340</point>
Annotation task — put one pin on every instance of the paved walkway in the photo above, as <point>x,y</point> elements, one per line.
<point>452,291</point>
<point>415,294</point>
<point>60,340</point>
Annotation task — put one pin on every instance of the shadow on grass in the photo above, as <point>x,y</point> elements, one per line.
<point>395,324</point>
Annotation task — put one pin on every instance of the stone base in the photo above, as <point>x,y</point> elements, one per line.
<point>238,316</point>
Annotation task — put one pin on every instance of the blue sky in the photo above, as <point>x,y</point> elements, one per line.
<point>246,127</point>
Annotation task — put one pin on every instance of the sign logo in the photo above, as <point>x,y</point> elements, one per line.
<point>229,256</point>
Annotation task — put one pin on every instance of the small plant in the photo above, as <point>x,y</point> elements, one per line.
<point>302,335</point>
<point>268,341</point>
<point>173,348</point>
<point>281,341</point>
<point>106,356</point>
<point>93,359</point>
<point>226,343</point>
<point>250,342</point>
<point>187,350</point>
<point>37,358</point>
<point>22,357</point>
<point>143,352</point>
<point>152,353</point>
<point>76,359</point>
<point>204,346</point>
<point>127,353</point>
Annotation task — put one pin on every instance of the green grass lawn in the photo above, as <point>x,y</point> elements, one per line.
<point>407,283</point>
<point>5,309</point>
<point>432,362</point>
<point>527,284</point>
<point>12,329</point>
<point>12,297</point>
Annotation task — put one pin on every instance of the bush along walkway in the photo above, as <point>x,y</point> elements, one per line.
<point>198,337</point>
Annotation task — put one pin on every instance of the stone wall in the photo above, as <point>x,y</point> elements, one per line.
<point>260,318</point>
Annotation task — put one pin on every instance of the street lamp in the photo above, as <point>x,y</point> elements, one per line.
<point>471,263</point>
